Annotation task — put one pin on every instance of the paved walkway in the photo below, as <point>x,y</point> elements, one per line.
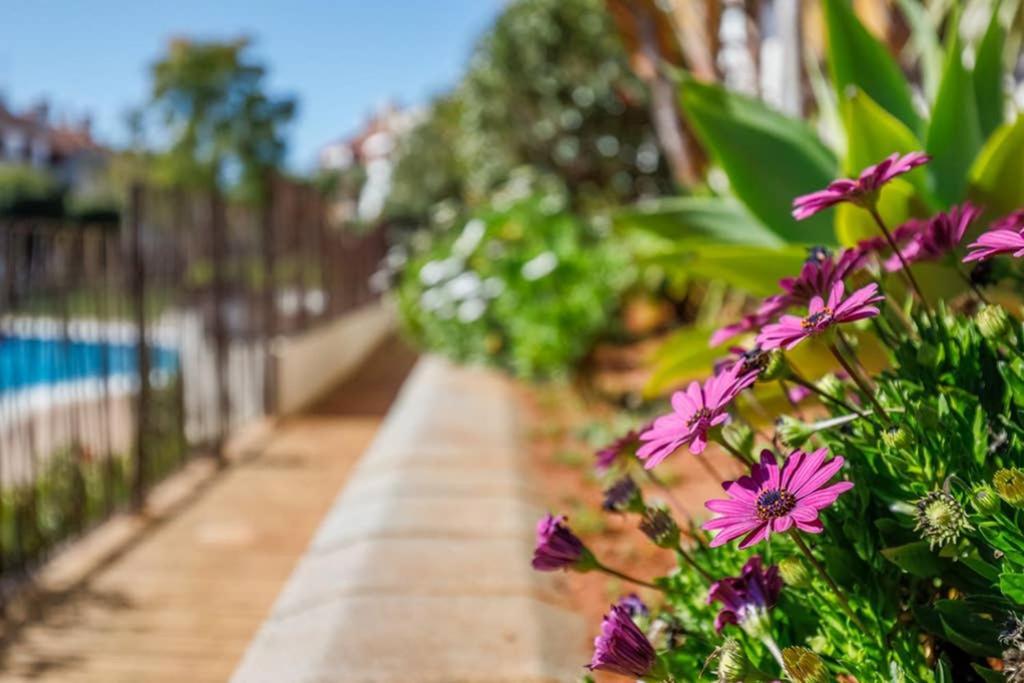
<point>420,570</point>
<point>182,604</point>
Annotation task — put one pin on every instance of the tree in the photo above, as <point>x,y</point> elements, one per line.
<point>225,129</point>
<point>427,170</point>
<point>550,86</point>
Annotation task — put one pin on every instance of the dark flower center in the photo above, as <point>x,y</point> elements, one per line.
<point>816,320</point>
<point>818,255</point>
<point>774,503</point>
<point>700,415</point>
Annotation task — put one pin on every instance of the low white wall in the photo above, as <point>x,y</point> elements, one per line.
<point>307,365</point>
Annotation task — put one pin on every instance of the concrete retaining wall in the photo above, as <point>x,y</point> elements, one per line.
<point>420,572</point>
<point>309,364</point>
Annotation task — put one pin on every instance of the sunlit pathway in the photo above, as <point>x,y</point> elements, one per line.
<point>183,604</point>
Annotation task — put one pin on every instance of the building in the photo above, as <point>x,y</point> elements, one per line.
<point>68,152</point>
<point>371,152</point>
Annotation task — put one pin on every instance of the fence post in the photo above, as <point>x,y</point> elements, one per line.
<point>268,246</point>
<point>138,294</point>
<point>218,258</point>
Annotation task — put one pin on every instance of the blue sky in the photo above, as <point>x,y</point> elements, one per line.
<point>342,58</point>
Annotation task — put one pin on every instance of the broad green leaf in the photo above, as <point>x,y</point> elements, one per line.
<point>754,269</point>
<point>856,58</point>
<point>915,558</point>
<point>997,175</point>
<point>896,204</point>
<point>969,627</point>
<point>717,219</point>
<point>954,134</point>
<point>924,35</point>
<point>1012,586</point>
<point>684,356</point>
<point>988,76</point>
<point>988,675</point>
<point>769,158</point>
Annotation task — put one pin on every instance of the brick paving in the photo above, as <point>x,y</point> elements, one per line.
<point>184,601</point>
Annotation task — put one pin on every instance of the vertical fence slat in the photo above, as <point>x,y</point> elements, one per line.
<point>142,396</point>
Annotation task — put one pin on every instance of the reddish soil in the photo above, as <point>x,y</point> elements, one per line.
<point>562,469</point>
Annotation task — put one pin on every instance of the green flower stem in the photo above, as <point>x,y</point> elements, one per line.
<point>899,254</point>
<point>693,563</point>
<point>813,388</point>
<point>860,382</point>
<point>626,577</point>
<point>843,601</point>
<point>667,492</point>
<point>773,647</point>
<point>736,453</point>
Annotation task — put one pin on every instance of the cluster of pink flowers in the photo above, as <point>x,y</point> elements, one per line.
<point>781,494</point>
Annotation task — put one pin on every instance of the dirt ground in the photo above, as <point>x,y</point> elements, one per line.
<point>562,467</point>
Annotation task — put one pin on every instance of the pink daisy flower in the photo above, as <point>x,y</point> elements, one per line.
<point>819,273</point>
<point>1005,237</point>
<point>859,191</point>
<point>622,648</point>
<point>791,330</point>
<point>746,598</point>
<point>774,499</point>
<point>932,239</point>
<point>695,412</point>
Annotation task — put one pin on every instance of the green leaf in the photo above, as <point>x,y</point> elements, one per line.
<point>969,627</point>
<point>915,558</point>
<point>997,175</point>
<point>873,133</point>
<point>684,356</point>
<point>954,134</point>
<point>896,204</point>
<point>718,219</point>
<point>856,58</point>
<point>769,158</point>
<point>988,76</point>
<point>988,675</point>
<point>1012,586</point>
<point>754,269</point>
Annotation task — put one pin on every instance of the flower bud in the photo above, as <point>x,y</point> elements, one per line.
<point>1009,484</point>
<point>658,525</point>
<point>985,500</point>
<point>732,662</point>
<point>623,496</point>
<point>830,385</point>
<point>795,572</point>
<point>993,322</point>
<point>803,666</point>
<point>940,518</point>
<point>739,436</point>
<point>897,437</point>
<point>793,432</point>
<point>775,366</point>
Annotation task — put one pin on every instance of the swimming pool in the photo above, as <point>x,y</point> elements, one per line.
<point>29,362</point>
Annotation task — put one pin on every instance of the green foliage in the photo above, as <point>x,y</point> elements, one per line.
<point>26,190</point>
<point>856,58</point>
<point>550,87</point>
<point>225,127</point>
<point>428,170</point>
<point>523,286</point>
<point>769,158</point>
<point>954,133</point>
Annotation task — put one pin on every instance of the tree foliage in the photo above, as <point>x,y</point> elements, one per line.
<point>225,128</point>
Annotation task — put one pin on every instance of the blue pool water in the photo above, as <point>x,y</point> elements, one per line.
<point>30,362</point>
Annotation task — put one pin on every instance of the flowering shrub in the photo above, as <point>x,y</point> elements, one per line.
<point>526,287</point>
<point>892,547</point>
